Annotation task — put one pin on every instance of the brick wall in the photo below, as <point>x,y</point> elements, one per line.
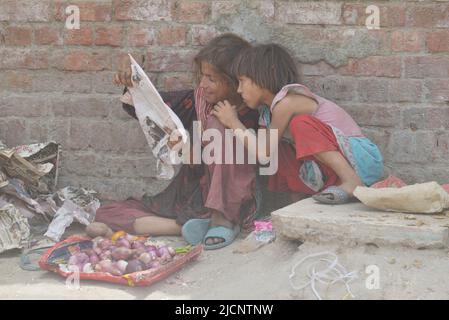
<point>55,83</point>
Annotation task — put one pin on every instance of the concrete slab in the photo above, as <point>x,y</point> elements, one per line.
<point>355,223</point>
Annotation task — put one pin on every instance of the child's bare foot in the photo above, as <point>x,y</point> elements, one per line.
<point>98,229</point>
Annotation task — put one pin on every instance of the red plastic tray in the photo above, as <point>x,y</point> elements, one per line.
<point>142,278</point>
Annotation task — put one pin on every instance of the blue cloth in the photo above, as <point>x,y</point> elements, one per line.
<point>369,160</point>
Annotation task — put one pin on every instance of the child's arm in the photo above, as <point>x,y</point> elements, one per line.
<point>287,108</point>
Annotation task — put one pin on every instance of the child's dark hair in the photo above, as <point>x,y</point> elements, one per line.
<point>220,52</point>
<point>270,66</point>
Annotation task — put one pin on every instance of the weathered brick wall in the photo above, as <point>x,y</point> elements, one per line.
<point>55,83</point>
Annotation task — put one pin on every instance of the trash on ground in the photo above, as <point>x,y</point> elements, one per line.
<point>427,197</point>
<point>14,228</point>
<point>326,270</point>
<point>262,235</point>
<point>28,182</point>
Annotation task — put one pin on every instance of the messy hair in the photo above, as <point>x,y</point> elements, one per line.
<point>270,66</point>
<point>220,52</point>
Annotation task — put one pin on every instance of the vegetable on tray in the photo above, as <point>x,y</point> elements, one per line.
<point>122,254</point>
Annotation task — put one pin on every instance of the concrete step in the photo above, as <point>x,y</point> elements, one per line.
<point>355,223</point>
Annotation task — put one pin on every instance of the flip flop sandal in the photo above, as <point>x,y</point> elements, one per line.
<point>227,234</point>
<point>332,195</point>
<point>194,230</point>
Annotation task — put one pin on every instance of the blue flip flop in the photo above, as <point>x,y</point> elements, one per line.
<point>225,233</point>
<point>332,195</point>
<point>194,230</point>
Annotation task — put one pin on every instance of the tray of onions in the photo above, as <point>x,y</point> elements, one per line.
<point>123,259</point>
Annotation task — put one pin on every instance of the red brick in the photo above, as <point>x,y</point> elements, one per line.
<point>438,90</point>
<point>188,11</point>
<point>318,69</point>
<point>23,59</point>
<point>25,10</point>
<point>63,82</point>
<point>336,88</point>
<point>46,35</point>
<point>172,36</point>
<point>425,118</point>
<point>428,16</point>
<point>141,36</point>
<point>373,66</point>
<point>20,81</point>
<point>373,90</point>
<point>89,11</point>
<point>406,90</point>
<point>18,36</point>
<point>84,61</point>
<point>374,115</point>
<point>438,41</point>
<point>83,36</point>
<point>426,67</point>
<point>121,60</point>
<point>322,13</point>
<point>23,106</point>
<point>201,35</point>
<point>109,36</point>
<point>407,41</point>
<point>390,15</point>
<point>155,10</point>
<point>177,82</point>
<point>173,60</point>
<point>264,8</point>
<point>13,131</point>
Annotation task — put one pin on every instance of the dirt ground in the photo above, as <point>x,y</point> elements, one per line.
<point>262,274</point>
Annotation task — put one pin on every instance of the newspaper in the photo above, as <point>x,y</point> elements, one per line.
<point>71,204</point>
<point>156,119</point>
<point>14,228</point>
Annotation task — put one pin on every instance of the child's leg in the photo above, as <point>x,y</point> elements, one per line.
<point>335,160</point>
<point>156,226</point>
<point>228,187</point>
<point>99,229</point>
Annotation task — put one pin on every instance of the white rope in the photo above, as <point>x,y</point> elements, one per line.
<point>334,272</point>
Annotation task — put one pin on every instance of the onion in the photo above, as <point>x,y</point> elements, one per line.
<point>164,255</point>
<point>154,265</point>
<point>121,265</point>
<point>105,244</point>
<point>121,253</point>
<point>88,268</point>
<point>122,242</point>
<point>109,267</point>
<point>89,252</point>
<point>73,260</point>
<point>137,244</point>
<point>97,250</point>
<point>96,241</point>
<point>153,254</point>
<point>163,251</point>
<point>94,259</point>
<point>138,252</point>
<point>172,251</point>
<point>130,237</point>
<point>78,258</point>
<point>134,266</point>
<point>105,255</point>
<point>145,258</point>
